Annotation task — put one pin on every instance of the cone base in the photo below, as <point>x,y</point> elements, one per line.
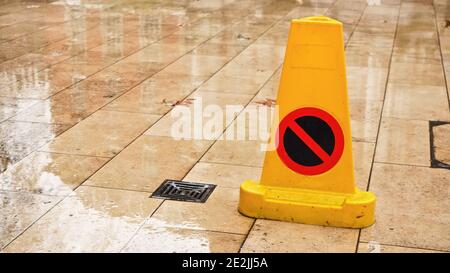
<point>306,206</point>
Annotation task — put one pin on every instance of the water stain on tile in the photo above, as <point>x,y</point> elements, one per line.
<point>155,237</point>
<point>20,210</point>
<point>375,247</point>
<point>11,106</point>
<point>90,220</point>
<point>112,131</point>
<point>416,102</point>
<point>16,143</point>
<point>49,174</point>
<point>158,94</point>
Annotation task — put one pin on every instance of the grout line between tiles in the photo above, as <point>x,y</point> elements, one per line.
<point>246,236</point>
<point>412,247</point>
<point>381,111</point>
<point>230,164</point>
<point>60,153</point>
<point>140,227</point>
<point>403,164</point>
<point>115,188</point>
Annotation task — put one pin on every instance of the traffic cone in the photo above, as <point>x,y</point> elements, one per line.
<point>309,177</point>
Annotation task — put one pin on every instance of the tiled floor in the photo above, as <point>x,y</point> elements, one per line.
<point>86,91</point>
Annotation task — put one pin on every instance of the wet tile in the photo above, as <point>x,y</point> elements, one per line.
<point>138,64</point>
<point>117,48</point>
<point>275,236</point>
<point>16,143</point>
<point>219,213</point>
<point>270,88</point>
<point>140,68</point>
<point>228,84</point>
<point>237,152</point>
<point>11,106</point>
<point>403,142</point>
<point>91,220</point>
<point>223,175</point>
<point>243,37</point>
<point>148,161</point>
<point>430,52</point>
<point>366,83</point>
<point>265,59</point>
<point>417,74</point>
<point>28,62</point>
<point>362,159</point>
<point>49,174</point>
<point>404,58</point>
<point>159,53</point>
<point>158,94</point>
<point>202,115</point>
<point>416,102</point>
<point>364,116</point>
<point>366,58</point>
<point>15,49</point>
<point>378,248</point>
<point>153,237</point>
<point>277,35</point>
<point>238,77</point>
<point>90,58</point>
<point>47,82</point>
<point>414,210</point>
<point>77,44</point>
<point>212,49</point>
<point>182,38</point>
<point>202,28</point>
<point>67,107</point>
<point>112,81</point>
<point>368,35</point>
<point>112,130</point>
<point>17,30</point>
<point>19,211</point>
<point>199,65</point>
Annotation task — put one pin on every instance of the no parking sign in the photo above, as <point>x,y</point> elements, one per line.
<point>310,141</point>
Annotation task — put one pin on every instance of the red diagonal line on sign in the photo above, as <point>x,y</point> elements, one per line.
<point>311,143</point>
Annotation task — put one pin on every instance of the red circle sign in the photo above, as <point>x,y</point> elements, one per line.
<point>310,141</point>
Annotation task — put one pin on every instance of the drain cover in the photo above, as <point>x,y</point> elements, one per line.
<point>439,147</point>
<point>184,191</point>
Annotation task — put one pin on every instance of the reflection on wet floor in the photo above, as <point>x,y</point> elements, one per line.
<point>86,91</point>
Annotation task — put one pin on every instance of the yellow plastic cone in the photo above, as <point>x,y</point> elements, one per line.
<point>309,178</point>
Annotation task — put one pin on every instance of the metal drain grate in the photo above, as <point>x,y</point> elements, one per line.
<point>184,191</point>
<point>437,159</point>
